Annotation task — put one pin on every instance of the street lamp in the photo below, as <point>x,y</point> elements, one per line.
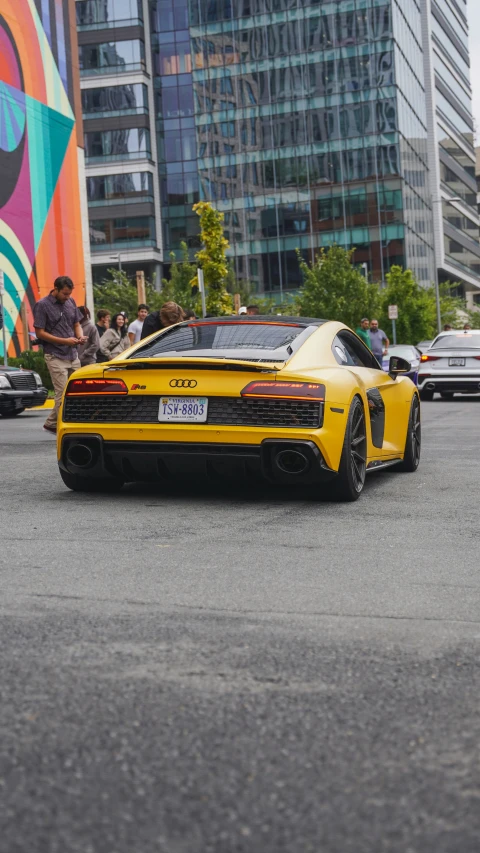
<point>117,258</point>
<point>437,284</point>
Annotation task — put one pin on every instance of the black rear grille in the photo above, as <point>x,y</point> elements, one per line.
<point>22,381</point>
<point>262,412</point>
<point>225,411</point>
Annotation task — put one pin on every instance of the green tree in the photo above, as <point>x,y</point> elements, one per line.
<point>213,259</point>
<point>416,307</point>
<point>178,288</point>
<point>450,306</point>
<point>334,289</point>
<point>118,293</point>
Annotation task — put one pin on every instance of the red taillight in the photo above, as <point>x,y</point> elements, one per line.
<point>285,390</point>
<point>426,357</point>
<point>96,386</point>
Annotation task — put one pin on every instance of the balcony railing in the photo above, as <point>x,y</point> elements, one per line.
<point>115,158</point>
<point>123,199</point>
<point>114,70</point>
<point>110,25</point>
<point>123,244</point>
<point>129,111</point>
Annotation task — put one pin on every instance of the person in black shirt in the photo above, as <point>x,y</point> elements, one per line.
<point>169,314</point>
<point>102,324</point>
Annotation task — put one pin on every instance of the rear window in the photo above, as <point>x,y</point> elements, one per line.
<point>404,352</point>
<point>460,341</point>
<point>251,341</point>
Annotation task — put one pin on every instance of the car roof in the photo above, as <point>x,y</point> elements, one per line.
<point>458,332</point>
<point>259,318</point>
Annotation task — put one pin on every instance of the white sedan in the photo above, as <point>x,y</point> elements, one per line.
<point>451,365</point>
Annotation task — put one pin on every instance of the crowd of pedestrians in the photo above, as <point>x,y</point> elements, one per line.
<point>71,340</point>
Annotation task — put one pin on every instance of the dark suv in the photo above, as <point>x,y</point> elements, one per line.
<point>19,390</point>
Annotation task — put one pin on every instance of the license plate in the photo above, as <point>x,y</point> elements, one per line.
<point>183,410</point>
<point>456,362</point>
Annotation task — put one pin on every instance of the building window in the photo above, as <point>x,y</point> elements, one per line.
<point>105,99</point>
<point>91,12</point>
<point>109,232</point>
<point>117,144</point>
<point>123,55</point>
<point>113,187</point>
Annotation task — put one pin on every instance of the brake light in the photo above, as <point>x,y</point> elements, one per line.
<point>96,386</point>
<point>426,357</point>
<point>285,390</point>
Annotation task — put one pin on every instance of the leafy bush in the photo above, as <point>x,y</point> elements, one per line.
<point>33,361</point>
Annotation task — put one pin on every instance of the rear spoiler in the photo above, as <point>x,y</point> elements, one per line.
<point>194,364</point>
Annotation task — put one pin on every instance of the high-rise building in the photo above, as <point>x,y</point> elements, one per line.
<point>312,129</point>
<point>305,122</point>
<point>42,181</point>
<point>118,104</point>
<point>451,143</point>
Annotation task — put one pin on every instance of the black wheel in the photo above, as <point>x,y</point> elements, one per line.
<point>446,395</point>
<point>350,480</point>
<point>413,444</point>
<point>77,483</point>
<point>13,413</point>
<point>426,395</point>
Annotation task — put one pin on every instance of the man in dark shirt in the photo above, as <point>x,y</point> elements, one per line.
<point>102,324</point>
<point>169,314</point>
<point>57,324</point>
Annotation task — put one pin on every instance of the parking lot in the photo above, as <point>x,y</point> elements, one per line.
<point>225,670</point>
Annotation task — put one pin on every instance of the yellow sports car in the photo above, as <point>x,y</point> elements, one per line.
<point>292,400</point>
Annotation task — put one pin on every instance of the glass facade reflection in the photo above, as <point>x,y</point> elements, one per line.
<point>308,128</point>
<point>458,256</point>
<point>118,105</point>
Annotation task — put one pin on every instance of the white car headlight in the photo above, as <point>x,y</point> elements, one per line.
<point>4,381</point>
<point>38,379</point>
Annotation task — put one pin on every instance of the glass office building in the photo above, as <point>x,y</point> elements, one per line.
<point>305,122</point>
<point>308,125</point>
<point>120,138</point>
<point>451,143</point>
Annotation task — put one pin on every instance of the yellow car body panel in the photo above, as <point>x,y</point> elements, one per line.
<point>313,362</point>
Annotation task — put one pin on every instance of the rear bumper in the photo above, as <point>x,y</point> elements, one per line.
<point>466,384</point>
<point>285,461</point>
<point>11,400</point>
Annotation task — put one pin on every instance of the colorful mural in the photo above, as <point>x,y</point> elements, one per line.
<point>40,222</point>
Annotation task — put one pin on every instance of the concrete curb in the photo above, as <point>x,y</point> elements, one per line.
<point>48,404</point>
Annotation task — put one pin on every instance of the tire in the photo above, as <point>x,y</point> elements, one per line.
<point>426,395</point>
<point>12,414</point>
<point>413,443</point>
<point>446,395</point>
<point>77,483</point>
<point>350,480</point>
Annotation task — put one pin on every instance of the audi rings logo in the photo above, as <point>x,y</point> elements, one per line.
<point>183,383</point>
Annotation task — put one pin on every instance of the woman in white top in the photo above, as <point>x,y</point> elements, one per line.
<point>115,340</point>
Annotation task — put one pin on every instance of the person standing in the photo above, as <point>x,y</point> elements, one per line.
<point>135,328</point>
<point>363,333</point>
<point>115,340</point>
<point>253,310</point>
<point>102,324</point>
<point>103,321</point>
<point>87,352</point>
<point>57,324</point>
<point>379,341</point>
<point>169,314</point>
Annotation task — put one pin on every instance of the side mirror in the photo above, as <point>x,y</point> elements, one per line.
<point>398,365</point>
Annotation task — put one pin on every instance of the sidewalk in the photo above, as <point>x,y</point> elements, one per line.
<point>48,404</point>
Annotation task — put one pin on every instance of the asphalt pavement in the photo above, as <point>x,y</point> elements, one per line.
<point>223,671</point>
